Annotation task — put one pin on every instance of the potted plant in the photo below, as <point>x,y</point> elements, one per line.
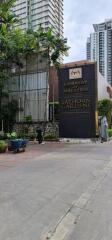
<point>3,146</point>
<point>16,144</point>
<point>11,136</point>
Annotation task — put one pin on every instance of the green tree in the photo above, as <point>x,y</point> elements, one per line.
<point>7,17</point>
<point>9,111</point>
<point>16,45</point>
<point>105,109</point>
<point>51,46</point>
<point>11,48</point>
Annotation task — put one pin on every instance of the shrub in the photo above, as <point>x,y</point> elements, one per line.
<point>3,146</point>
<point>110,132</point>
<point>23,135</point>
<point>8,114</point>
<point>3,137</point>
<point>105,108</point>
<point>30,136</point>
<point>50,136</point>
<point>12,135</point>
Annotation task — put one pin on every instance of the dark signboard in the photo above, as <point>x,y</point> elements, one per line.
<point>77,98</point>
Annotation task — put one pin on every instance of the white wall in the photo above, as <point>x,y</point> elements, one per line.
<point>102,87</point>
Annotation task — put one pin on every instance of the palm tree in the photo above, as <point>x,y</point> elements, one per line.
<point>7,17</point>
<point>52,46</point>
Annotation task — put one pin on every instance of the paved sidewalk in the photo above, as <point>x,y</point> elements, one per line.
<point>57,191</point>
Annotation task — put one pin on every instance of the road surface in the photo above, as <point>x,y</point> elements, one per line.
<point>57,191</point>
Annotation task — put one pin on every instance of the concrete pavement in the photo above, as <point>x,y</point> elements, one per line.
<point>57,191</point>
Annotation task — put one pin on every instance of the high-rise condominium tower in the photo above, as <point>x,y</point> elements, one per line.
<point>47,13</point>
<point>99,48</point>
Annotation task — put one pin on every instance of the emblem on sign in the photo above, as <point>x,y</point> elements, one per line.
<point>75,73</point>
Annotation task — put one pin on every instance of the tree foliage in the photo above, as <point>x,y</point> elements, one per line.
<point>105,109</point>
<point>8,114</point>
<point>15,44</point>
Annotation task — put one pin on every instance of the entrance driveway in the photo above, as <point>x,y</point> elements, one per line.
<point>57,191</point>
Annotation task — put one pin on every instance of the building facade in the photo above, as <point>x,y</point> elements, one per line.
<point>99,48</point>
<point>88,49</point>
<point>44,13</point>
<point>30,88</point>
<point>32,84</point>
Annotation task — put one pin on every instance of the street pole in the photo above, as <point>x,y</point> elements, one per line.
<point>53,103</point>
<point>19,110</point>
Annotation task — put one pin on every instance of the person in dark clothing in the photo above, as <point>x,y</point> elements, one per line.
<point>39,135</point>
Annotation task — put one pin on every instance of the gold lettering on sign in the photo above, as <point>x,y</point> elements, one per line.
<point>73,87</point>
<point>75,105</point>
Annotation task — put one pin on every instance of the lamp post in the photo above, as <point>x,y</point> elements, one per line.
<point>13,70</point>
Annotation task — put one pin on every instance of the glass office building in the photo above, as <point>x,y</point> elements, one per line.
<point>99,48</point>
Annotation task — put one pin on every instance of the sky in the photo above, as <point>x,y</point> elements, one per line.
<point>79,17</point>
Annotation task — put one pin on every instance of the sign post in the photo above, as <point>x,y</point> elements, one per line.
<point>78,98</point>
